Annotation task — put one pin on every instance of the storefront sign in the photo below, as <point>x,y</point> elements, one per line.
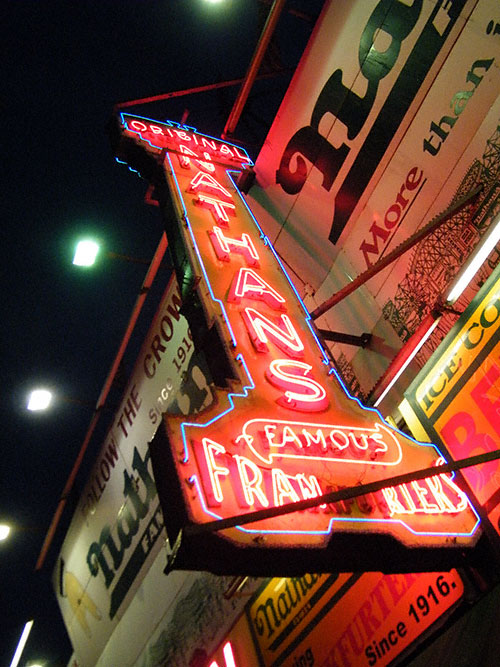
<point>283,429</point>
<point>117,528</point>
<point>343,620</point>
<point>456,398</point>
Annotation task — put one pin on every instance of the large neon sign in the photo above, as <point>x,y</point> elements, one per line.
<point>284,428</point>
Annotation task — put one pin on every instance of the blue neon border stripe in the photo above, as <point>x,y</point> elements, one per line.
<point>251,385</point>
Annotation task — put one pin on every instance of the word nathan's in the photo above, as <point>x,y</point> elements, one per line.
<point>291,433</point>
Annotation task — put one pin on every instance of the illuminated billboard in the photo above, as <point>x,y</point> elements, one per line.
<point>455,399</point>
<point>390,118</point>
<point>281,427</point>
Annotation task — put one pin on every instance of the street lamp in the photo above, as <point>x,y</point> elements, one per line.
<point>85,253</point>
<point>87,250</point>
<point>4,531</point>
<point>39,399</point>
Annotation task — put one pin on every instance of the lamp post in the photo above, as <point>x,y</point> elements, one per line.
<point>87,251</point>
<point>40,400</point>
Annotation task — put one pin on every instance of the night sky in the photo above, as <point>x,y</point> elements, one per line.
<point>65,65</point>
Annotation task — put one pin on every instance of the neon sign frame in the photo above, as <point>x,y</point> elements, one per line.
<point>252,283</point>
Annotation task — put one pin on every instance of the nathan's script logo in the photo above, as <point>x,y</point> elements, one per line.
<point>106,556</point>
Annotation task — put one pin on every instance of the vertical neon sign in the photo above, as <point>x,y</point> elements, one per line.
<point>284,428</point>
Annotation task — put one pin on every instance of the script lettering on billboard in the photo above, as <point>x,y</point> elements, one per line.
<point>396,20</point>
<point>340,619</point>
<point>115,532</point>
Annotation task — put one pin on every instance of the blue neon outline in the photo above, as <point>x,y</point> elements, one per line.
<point>246,388</point>
<point>196,249</point>
<point>243,394</point>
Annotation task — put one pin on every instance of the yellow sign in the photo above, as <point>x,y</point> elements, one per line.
<point>456,398</point>
<point>337,620</point>
<point>284,607</point>
<point>376,618</point>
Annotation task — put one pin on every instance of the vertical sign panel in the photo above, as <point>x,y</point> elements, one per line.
<point>284,429</point>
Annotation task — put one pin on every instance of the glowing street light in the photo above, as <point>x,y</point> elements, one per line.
<point>475,261</point>
<point>87,250</point>
<point>4,531</point>
<point>42,399</point>
<point>85,253</point>
<point>21,644</point>
<point>39,399</point>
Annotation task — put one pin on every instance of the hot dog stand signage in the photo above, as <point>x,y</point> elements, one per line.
<point>281,427</point>
<point>456,396</point>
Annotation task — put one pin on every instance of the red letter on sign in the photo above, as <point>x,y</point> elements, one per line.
<point>287,374</point>
<point>471,439</point>
<point>224,246</point>
<point>489,408</point>
<point>258,325</point>
<point>248,283</point>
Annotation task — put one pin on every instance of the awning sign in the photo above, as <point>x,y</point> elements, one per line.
<point>283,428</point>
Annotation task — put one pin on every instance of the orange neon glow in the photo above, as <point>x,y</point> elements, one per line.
<point>186,154</point>
<point>285,429</point>
<point>434,495</point>
<point>248,283</point>
<point>223,245</point>
<point>283,333</point>
<point>218,208</point>
<point>211,470</point>
<point>312,398</point>
<point>203,181</point>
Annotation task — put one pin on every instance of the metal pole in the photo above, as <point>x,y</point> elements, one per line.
<point>395,254</point>
<point>336,496</point>
<point>236,111</point>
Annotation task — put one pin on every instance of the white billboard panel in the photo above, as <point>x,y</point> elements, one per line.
<point>388,120</point>
<point>117,529</point>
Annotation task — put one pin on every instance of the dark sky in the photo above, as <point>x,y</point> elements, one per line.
<point>65,64</point>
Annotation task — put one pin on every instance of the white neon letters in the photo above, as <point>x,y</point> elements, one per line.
<point>224,245</point>
<point>248,283</point>
<point>281,374</point>
<point>283,333</point>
